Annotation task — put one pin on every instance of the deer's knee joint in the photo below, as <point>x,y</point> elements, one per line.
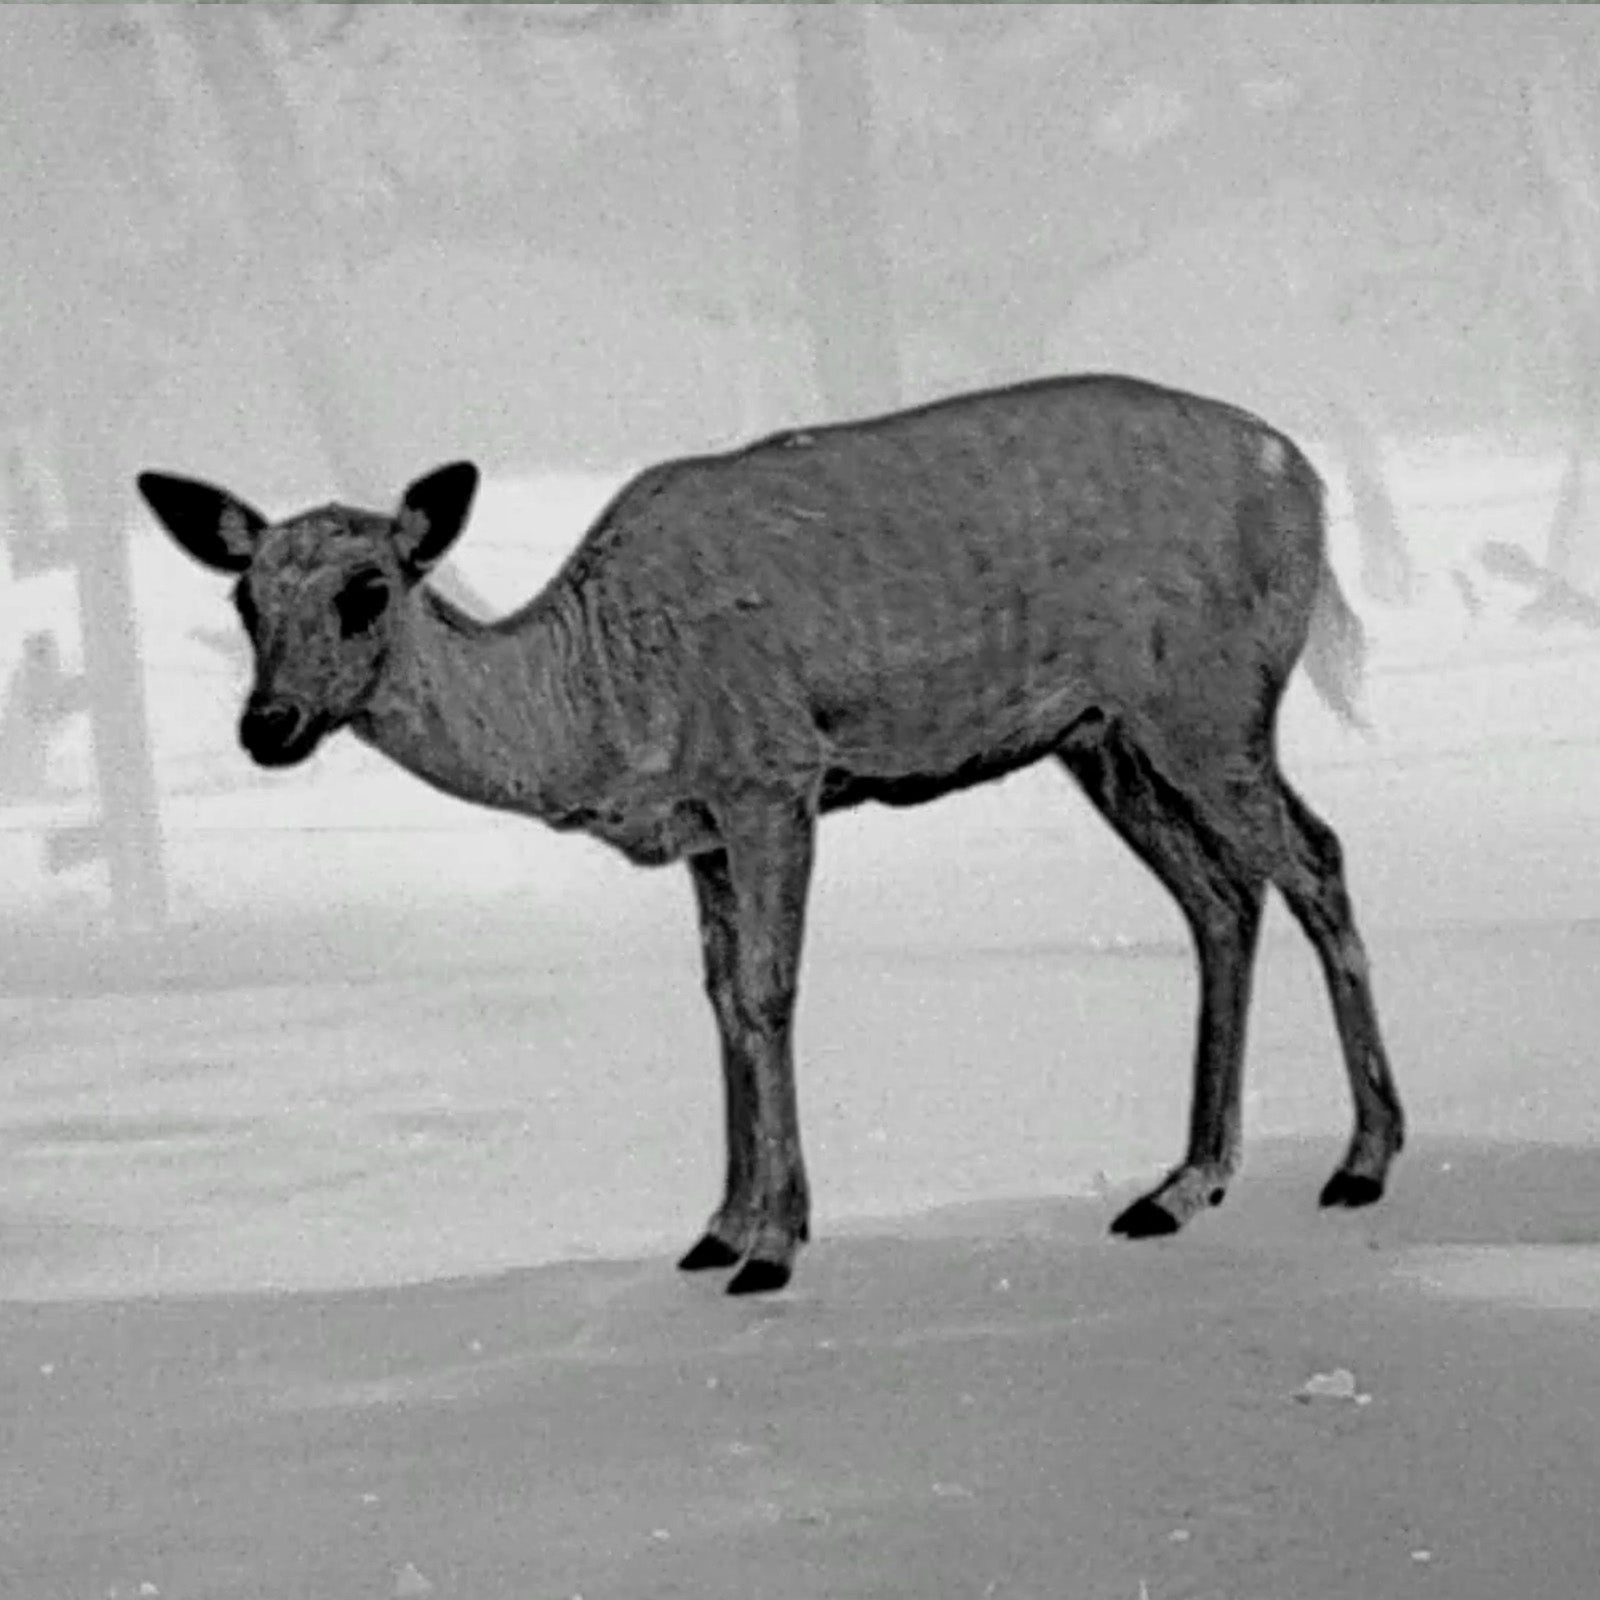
<point>1226,910</point>
<point>719,991</point>
<point>1350,955</point>
<point>762,1008</point>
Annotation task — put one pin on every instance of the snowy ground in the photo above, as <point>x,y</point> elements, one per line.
<point>995,1403</point>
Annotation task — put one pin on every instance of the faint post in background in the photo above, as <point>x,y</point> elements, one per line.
<point>73,249</point>
<point>844,272</point>
<point>1559,110</point>
<point>93,483</point>
<point>733,154</point>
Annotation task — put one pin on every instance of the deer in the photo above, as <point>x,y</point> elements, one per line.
<point>1092,569</point>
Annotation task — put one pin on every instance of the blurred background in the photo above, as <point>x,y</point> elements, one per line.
<point>311,251</point>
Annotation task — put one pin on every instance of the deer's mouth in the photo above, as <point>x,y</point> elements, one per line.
<point>276,734</point>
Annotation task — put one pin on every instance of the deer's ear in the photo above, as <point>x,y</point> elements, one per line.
<point>215,528</point>
<point>432,513</point>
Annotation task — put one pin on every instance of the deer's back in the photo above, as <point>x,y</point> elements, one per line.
<point>940,585</point>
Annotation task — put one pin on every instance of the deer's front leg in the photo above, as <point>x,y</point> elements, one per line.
<point>732,1224</point>
<point>751,897</point>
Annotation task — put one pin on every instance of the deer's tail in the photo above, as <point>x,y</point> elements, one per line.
<point>1335,650</point>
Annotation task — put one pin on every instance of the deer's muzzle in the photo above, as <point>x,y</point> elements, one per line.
<point>277,733</point>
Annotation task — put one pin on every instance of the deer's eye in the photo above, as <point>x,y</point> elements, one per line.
<point>361,602</point>
<point>246,607</point>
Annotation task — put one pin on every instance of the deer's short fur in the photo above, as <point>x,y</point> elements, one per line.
<point>1093,569</point>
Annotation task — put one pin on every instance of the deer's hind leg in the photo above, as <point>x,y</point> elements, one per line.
<point>1309,873</point>
<point>1220,893</point>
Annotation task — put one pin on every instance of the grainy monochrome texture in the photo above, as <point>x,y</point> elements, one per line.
<point>880,650</point>
<point>1113,575</point>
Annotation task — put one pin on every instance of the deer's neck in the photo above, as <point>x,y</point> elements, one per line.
<point>482,711</point>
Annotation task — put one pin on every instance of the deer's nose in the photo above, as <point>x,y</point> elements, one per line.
<point>268,725</point>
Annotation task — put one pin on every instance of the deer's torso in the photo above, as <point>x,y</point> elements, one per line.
<point>895,609</point>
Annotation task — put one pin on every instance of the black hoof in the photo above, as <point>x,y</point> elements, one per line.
<point>1145,1219</point>
<point>1347,1189</point>
<point>706,1253</point>
<point>759,1277</point>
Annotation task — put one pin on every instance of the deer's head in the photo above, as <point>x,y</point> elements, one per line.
<point>319,594</point>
